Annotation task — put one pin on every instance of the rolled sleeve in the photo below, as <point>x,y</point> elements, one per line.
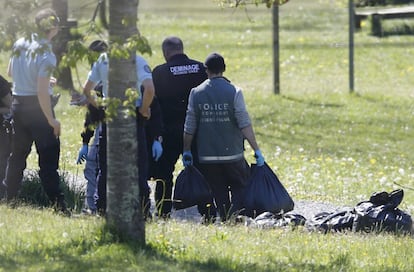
<point>240,111</point>
<point>190,125</point>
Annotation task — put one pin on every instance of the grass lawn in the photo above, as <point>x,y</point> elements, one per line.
<point>324,143</point>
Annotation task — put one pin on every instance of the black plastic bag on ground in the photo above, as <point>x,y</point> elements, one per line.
<point>268,219</point>
<point>265,193</point>
<point>191,188</point>
<point>336,221</point>
<point>380,213</point>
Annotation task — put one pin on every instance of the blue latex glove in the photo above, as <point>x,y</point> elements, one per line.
<point>83,154</point>
<point>187,158</point>
<point>259,158</point>
<point>156,150</point>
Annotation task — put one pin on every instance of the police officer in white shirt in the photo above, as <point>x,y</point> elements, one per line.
<point>31,66</point>
<point>99,73</point>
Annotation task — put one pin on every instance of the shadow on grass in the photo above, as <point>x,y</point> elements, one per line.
<point>378,100</point>
<point>32,192</point>
<point>132,257</point>
<point>312,103</point>
<point>103,252</point>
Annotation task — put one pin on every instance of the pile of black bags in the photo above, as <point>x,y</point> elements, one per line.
<point>378,214</point>
<point>264,193</point>
<point>268,204</point>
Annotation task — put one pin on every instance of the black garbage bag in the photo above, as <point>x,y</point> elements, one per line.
<point>268,219</point>
<point>340,220</point>
<point>265,193</point>
<point>380,213</point>
<point>191,188</point>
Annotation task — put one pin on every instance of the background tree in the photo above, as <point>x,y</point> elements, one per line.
<point>60,43</point>
<point>274,5</point>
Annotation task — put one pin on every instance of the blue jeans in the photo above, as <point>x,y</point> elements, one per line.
<point>91,172</point>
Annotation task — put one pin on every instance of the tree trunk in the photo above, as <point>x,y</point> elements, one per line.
<point>276,71</point>
<point>61,42</point>
<point>124,215</point>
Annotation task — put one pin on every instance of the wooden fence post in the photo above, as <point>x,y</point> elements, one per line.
<point>376,28</point>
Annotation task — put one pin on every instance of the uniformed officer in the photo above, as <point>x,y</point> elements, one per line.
<point>99,73</point>
<point>95,164</point>
<point>144,116</point>
<point>31,67</point>
<point>173,81</point>
<point>218,119</point>
<point>93,124</point>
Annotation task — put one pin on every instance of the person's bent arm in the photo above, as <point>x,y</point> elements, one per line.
<point>45,103</point>
<point>87,88</point>
<point>148,96</point>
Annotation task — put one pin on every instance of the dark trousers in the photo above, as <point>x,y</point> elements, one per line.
<point>30,125</point>
<point>5,148</point>
<point>143,165</point>
<point>228,182</point>
<point>172,149</point>
<point>144,190</point>
<point>102,171</point>
<point>5,151</point>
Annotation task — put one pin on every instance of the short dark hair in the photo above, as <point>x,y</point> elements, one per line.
<point>46,19</point>
<point>172,43</point>
<point>215,63</point>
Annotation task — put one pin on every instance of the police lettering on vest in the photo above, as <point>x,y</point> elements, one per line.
<point>218,112</point>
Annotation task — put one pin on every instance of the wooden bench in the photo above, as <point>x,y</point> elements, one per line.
<point>377,15</point>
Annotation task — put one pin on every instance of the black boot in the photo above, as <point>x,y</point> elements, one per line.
<point>2,191</point>
<point>60,206</point>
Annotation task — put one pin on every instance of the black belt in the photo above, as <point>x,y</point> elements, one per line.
<point>24,99</point>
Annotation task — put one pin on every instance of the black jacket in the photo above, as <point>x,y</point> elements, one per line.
<point>173,82</point>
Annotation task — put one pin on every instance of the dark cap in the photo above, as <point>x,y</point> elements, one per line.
<point>98,46</point>
<point>215,63</point>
